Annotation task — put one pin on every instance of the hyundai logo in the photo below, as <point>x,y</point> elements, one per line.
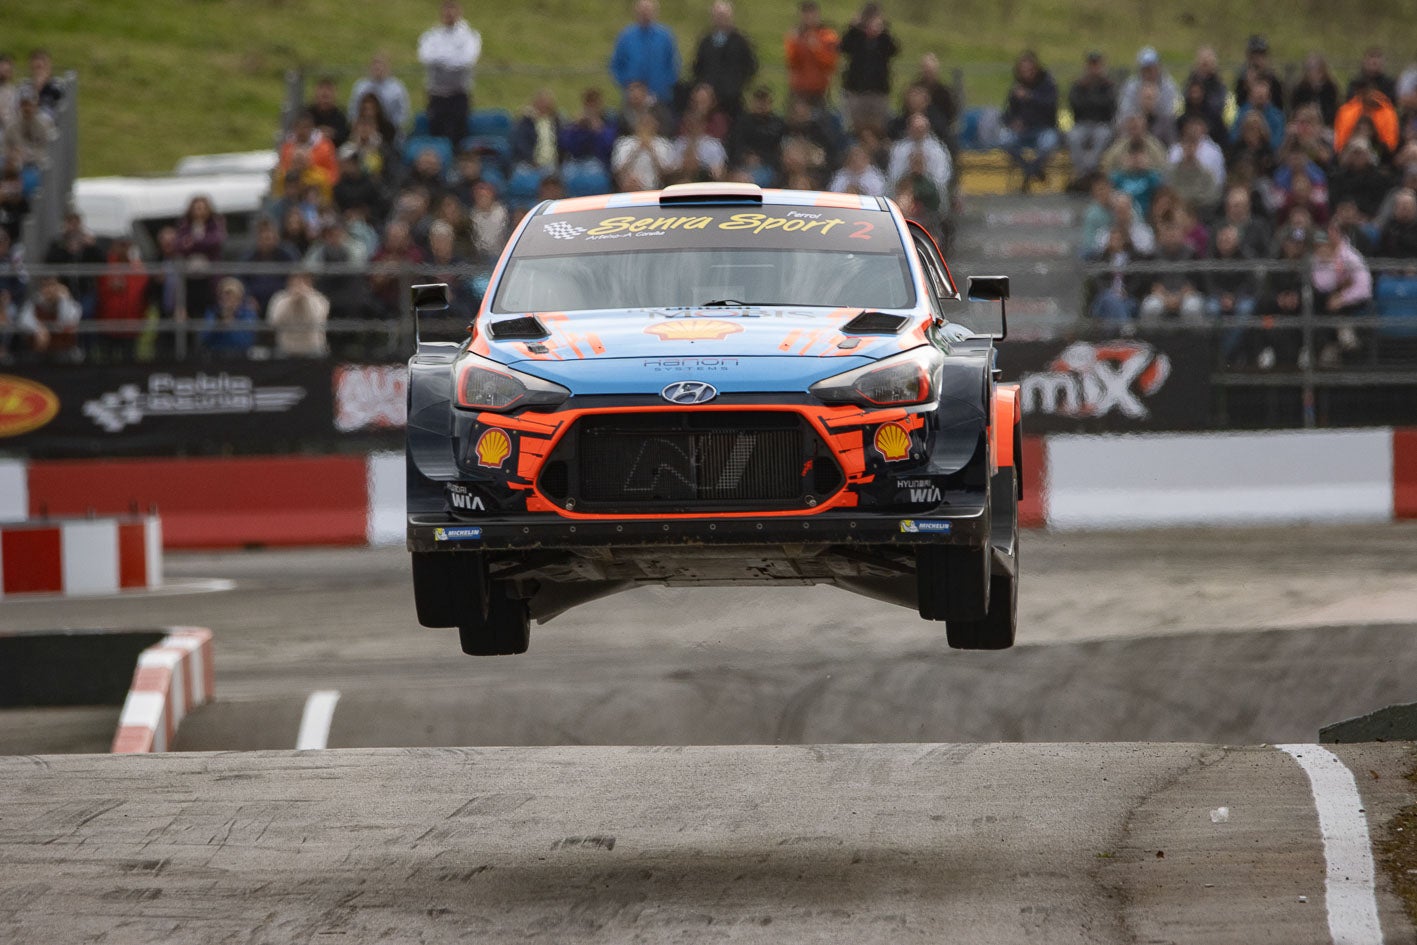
<point>689,392</point>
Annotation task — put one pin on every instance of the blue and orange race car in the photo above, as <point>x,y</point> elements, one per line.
<point>714,385</point>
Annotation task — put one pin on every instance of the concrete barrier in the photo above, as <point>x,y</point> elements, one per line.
<point>1071,482</point>
<point>78,557</point>
<point>69,667</point>
<point>172,678</point>
<point>1270,477</point>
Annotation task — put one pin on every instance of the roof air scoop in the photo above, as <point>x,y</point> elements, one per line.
<point>709,193</point>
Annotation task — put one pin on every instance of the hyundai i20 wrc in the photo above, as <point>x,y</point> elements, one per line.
<point>714,385</point>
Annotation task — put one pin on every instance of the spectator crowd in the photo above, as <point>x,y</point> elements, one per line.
<point>1261,196</point>
<point>1213,168</point>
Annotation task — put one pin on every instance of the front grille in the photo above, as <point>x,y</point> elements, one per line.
<point>705,461</point>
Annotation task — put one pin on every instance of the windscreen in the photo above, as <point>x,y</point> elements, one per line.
<point>663,257</point>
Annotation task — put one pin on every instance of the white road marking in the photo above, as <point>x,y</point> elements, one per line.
<point>1348,852</point>
<point>315,720</point>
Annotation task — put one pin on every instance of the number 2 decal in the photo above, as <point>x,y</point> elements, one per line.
<point>863,230</point>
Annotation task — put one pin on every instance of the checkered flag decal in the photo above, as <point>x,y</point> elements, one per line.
<point>563,231</point>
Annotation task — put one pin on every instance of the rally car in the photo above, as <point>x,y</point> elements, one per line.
<point>714,385</point>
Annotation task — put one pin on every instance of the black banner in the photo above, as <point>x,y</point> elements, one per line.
<point>1157,382</point>
<point>1160,382</point>
<point>169,409</point>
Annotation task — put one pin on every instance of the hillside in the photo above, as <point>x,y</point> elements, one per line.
<point>165,78</point>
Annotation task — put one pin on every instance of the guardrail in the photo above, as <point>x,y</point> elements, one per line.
<point>389,332</point>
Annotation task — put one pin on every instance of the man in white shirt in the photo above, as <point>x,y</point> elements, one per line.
<point>1208,153</point>
<point>392,93</point>
<point>448,52</point>
<point>642,160</point>
<point>858,175</point>
<point>919,139</point>
<point>698,154</point>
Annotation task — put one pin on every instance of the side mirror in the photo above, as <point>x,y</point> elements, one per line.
<point>992,289</point>
<point>981,288</point>
<point>432,297</point>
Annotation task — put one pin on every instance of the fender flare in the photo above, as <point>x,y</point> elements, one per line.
<point>1006,432</point>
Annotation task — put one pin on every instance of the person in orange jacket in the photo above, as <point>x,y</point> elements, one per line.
<point>812,53</point>
<point>305,138</point>
<point>1368,102</point>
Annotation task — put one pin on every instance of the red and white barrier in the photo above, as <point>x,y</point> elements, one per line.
<point>1250,478</point>
<point>171,679</point>
<point>1071,481</point>
<point>80,557</point>
<point>14,491</point>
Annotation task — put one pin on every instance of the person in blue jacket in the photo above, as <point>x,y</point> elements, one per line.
<point>221,335</point>
<point>646,51</point>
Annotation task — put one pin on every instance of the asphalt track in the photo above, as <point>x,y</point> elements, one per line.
<point>942,831</point>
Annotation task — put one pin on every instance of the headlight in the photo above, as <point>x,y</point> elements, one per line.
<point>909,378</point>
<point>487,385</point>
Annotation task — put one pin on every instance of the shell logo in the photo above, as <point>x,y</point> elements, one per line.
<point>493,448</point>
<point>693,329</point>
<point>24,405</point>
<point>892,441</point>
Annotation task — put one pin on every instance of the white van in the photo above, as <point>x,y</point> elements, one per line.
<point>141,206</point>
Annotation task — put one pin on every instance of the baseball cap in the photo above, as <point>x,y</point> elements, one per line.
<point>1257,44</point>
<point>1094,56</point>
<point>1147,57</point>
<point>1296,235</point>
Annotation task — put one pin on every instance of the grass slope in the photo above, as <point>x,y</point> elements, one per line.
<point>165,78</point>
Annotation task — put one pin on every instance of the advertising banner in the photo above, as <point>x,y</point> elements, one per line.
<point>1134,384</point>
<point>171,409</point>
<point>1159,382</point>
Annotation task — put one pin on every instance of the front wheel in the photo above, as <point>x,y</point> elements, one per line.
<point>996,631</point>
<point>449,588</point>
<point>952,582</point>
<point>505,631</point>
<point>996,628</point>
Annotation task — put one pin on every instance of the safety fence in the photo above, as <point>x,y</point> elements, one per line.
<point>123,381</point>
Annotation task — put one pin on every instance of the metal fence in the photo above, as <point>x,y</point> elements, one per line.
<point>1377,353</point>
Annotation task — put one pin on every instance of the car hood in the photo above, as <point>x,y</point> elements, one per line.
<point>641,350</point>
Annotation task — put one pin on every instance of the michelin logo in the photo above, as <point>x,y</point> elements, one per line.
<point>916,527</point>
<point>468,533</point>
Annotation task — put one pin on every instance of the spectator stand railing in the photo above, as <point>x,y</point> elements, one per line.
<point>1379,356</point>
<point>357,334</point>
<point>1292,391</point>
<point>51,199</point>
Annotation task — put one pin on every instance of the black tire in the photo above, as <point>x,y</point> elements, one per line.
<point>449,588</point>
<point>952,582</point>
<point>505,631</point>
<point>998,627</point>
<point>996,631</point>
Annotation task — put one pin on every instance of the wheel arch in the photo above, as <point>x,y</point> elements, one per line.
<point>1006,429</point>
